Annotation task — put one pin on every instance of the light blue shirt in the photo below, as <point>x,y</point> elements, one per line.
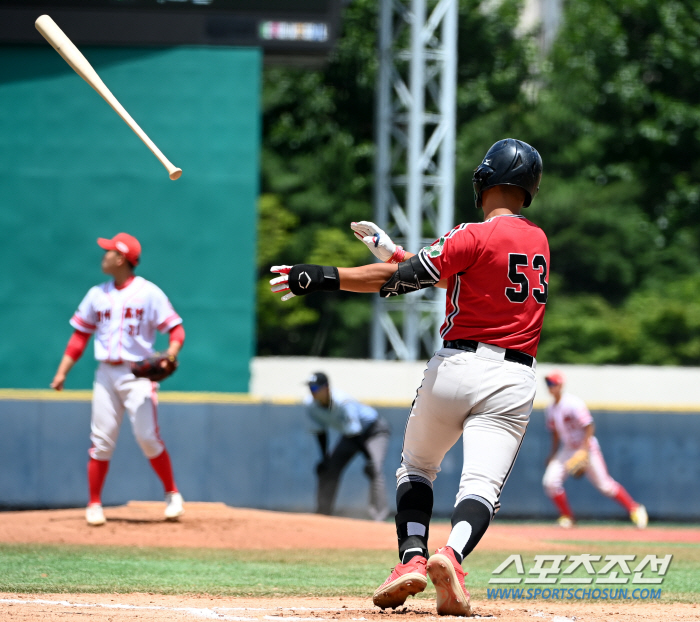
<point>344,414</point>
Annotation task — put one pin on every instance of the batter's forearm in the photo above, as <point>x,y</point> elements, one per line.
<point>387,279</point>
<point>365,279</point>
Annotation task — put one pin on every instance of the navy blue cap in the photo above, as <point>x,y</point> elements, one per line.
<point>317,380</point>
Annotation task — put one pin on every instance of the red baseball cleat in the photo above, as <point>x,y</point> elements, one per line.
<point>448,578</point>
<point>405,580</point>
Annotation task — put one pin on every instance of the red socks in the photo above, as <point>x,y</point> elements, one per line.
<point>97,471</point>
<point>562,504</point>
<point>624,499</point>
<point>161,465</point>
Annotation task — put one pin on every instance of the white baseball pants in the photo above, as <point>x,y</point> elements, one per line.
<point>597,472</point>
<point>116,390</point>
<point>481,397</point>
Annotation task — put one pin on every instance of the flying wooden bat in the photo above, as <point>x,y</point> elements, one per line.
<point>72,55</point>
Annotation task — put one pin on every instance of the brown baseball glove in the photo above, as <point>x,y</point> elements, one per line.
<point>578,463</point>
<point>156,367</point>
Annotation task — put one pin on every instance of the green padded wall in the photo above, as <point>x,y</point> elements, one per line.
<point>71,171</point>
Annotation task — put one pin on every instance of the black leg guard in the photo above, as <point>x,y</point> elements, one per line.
<point>414,507</point>
<point>476,513</point>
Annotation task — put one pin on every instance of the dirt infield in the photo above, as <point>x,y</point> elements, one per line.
<point>212,525</point>
<point>215,525</point>
<point>157,608</point>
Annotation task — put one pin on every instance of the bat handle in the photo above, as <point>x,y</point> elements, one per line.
<point>173,171</point>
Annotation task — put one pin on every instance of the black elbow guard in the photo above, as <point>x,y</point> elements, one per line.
<point>305,278</point>
<point>410,276</point>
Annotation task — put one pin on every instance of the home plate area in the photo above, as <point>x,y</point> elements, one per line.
<point>154,607</point>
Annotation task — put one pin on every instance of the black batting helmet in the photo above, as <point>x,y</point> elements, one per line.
<point>509,162</point>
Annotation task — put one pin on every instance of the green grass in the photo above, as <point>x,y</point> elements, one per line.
<point>82,569</point>
<point>47,569</point>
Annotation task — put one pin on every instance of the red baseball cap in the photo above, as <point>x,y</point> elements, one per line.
<point>124,243</point>
<point>554,378</point>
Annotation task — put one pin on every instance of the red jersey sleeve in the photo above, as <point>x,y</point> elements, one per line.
<point>452,253</point>
<point>77,344</point>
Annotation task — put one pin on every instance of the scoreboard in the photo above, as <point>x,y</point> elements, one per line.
<point>281,27</point>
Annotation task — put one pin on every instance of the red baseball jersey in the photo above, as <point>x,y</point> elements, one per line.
<point>497,281</point>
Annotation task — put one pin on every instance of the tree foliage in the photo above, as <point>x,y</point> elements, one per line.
<point>614,112</point>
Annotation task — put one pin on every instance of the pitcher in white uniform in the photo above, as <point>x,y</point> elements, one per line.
<point>571,425</point>
<point>124,315</point>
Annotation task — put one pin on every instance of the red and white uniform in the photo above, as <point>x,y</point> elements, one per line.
<point>569,418</point>
<point>497,289</point>
<point>124,322</point>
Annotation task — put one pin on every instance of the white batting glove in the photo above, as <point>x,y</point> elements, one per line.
<point>376,240</point>
<point>281,283</point>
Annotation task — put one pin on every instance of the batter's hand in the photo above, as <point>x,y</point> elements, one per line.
<point>281,283</point>
<point>376,240</point>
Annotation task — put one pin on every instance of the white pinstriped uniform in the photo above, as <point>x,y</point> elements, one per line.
<point>124,323</point>
<point>568,418</point>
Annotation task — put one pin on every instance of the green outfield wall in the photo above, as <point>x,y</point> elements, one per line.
<point>71,171</point>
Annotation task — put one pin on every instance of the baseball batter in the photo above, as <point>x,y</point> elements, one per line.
<point>576,451</point>
<point>481,384</point>
<point>124,315</point>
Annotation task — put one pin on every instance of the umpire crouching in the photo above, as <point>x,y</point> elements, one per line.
<point>361,429</point>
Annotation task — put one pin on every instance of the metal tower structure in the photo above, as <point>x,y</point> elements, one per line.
<point>414,169</point>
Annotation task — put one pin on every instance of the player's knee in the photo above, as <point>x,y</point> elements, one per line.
<point>552,487</point>
<point>101,452</point>
<point>150,446</point>
<point>552,481</point>
<point>408,471</point>
<point>553,491</point>
<point>609,488</point>
<point>473,486</point>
